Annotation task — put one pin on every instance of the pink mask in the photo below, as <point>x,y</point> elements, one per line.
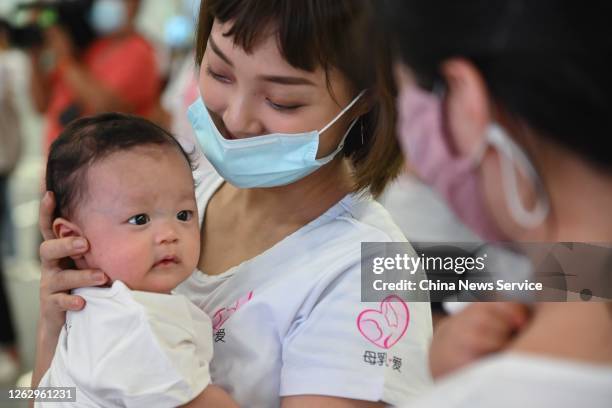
<point>455,178</point>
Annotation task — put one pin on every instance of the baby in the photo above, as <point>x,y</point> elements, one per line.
<point>125,185</point>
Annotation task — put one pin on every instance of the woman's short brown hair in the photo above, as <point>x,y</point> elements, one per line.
<point>325,33</point>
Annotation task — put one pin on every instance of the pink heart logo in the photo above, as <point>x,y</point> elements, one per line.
<point>221,315</point>
<point>387,325</point>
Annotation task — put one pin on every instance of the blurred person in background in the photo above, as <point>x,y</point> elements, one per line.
<point>182,88</point>
<point>116,72</point>
<point>517,144</point>
<point>10,147</point>
<point>424,218</point>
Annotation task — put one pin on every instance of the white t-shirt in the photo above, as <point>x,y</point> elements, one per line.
<point>132,349</point>
<point>512,380</point>
<point>287,322</point>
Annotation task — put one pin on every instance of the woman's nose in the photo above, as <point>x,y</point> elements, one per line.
<point>240,120</point>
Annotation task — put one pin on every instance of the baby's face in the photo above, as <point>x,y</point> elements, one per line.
<point>140,218</point>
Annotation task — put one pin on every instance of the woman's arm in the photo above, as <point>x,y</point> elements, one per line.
<point>212,397</point>
<point>95,96</point>
<point>87,89</point>
<point>307,401</point>
<point>477,331</point>
<point>216,397</point>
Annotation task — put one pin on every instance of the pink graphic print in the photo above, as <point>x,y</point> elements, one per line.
<point>387,325</point>
<point>221,315</point>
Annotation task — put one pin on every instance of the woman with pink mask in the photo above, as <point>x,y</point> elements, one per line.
<point>504,110</point>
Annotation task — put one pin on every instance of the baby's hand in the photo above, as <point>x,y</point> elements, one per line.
<point>478,330</point>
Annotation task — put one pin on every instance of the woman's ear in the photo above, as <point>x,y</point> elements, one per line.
<point>467,105</point>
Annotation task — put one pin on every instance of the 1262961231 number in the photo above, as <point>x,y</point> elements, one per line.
<point>49,394</point>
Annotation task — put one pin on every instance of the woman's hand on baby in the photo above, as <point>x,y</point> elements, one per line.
<point>478,330</point>
<point>57,279</point>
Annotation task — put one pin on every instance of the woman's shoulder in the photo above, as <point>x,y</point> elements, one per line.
<point>361,218</point>
<point>334,241</point>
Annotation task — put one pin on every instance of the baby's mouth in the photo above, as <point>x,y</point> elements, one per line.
<point>167,261</point>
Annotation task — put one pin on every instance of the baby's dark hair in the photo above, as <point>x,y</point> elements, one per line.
<point>89,140</point>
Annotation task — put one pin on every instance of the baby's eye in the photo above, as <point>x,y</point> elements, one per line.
<point>140,219</point>
<point>184,215</point>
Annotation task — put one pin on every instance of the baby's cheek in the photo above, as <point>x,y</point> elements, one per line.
<point>193,249</point>
<point>123,262</point>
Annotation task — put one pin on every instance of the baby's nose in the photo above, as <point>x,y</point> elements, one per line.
<point>166,234</point>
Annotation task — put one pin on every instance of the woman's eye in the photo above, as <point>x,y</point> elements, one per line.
<point>140,219</point>
<point>184,215</point>
<point>283,108</point>
<point>216,76</point>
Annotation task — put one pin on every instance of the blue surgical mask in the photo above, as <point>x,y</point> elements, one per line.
<point>270,160</point>
<point>108,16</point>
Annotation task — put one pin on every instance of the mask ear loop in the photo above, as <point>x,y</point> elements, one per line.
<point>329,157</point>
<point>512,154</point>
<point>343,111</point>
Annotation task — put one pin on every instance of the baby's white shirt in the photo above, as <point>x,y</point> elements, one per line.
<point>132,349</point>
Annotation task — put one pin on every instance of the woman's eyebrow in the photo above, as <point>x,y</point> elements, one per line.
<point>220,53</point>
<point>279,79</point>
<point>287,80</point>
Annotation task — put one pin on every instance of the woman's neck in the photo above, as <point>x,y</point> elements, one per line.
<point>297,203</point>
<point>580,197</point>
<point>574,331</point>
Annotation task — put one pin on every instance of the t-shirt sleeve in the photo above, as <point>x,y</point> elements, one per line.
<point>361,350</point>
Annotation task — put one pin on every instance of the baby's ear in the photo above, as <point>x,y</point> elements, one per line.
<point>63,228</point>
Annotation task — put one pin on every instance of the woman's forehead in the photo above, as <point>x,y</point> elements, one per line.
<point>265,57</point>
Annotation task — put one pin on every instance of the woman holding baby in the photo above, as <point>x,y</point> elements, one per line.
<point>292,143</point>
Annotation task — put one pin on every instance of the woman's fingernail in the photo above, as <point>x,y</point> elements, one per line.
<point>76,303</point>
<point>79,244</point>
<point>99,277</point>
